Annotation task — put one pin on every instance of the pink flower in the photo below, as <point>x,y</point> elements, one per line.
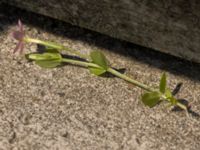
<point>19,36</point>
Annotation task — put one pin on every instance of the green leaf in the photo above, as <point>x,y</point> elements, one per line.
<point>99,59</point>
<point>44,56</point>
<point>97,71</point>
<point>151,99</point>
<point>48,63</point>
<point>173,101</point>
<point>168,93</point>
<point>163,82</point>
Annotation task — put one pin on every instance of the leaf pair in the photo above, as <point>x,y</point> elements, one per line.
<point>99,59</point>
<point>152,98</point>
<point>47,59</point>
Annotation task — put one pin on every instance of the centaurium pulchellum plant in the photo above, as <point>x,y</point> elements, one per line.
<point>96,63</point>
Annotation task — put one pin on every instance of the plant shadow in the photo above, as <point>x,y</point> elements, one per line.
<point>42,49</point>
<point>189,108</point>
<point>185,102</point>
<point>177,89</point>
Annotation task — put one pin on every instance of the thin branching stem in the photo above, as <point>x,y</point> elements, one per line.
<point>119,75</point>
<point>80,63</point>
<point>110,70</point>
<point>128,79</point>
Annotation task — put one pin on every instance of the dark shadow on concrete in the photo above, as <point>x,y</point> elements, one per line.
<point>177,88</point>
<point>41,49</point>
<point>9,15</point>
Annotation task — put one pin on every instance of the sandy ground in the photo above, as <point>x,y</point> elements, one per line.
<point>68,108</point>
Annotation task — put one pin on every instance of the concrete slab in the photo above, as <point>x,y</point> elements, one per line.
<point>67,108</point>
<point>164,25</point>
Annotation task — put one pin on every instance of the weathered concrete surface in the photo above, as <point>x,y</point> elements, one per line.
<point>166,25</point>
<point>68,109</point>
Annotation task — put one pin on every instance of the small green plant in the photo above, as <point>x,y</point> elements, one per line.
<point>96,63</point>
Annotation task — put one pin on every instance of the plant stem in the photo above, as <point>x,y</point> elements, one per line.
<point>112,71</point>
<point>181,106</point>
<point>128,79</point>
<point>119,75</point>
<point>56,46</point>
<point>80,63</point>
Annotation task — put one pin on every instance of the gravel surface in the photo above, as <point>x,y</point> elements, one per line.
<point>68,108</point>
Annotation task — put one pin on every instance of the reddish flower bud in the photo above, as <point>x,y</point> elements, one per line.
<point>19,36</point>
